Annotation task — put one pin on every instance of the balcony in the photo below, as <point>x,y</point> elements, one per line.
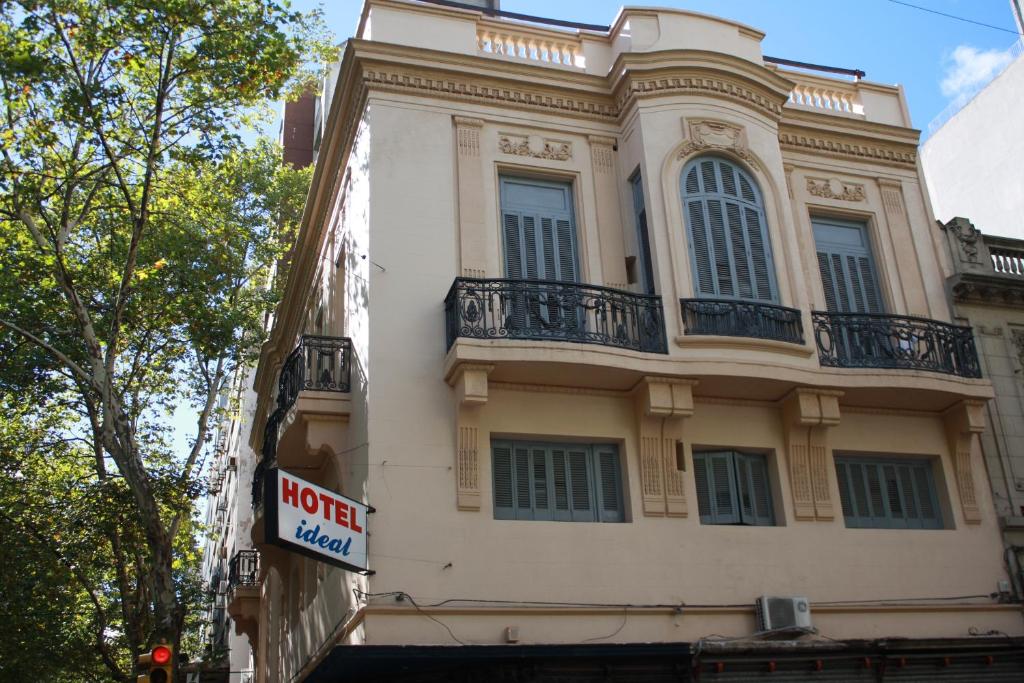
<point>545,310</point>
<point>244,592</point>
<point>315,381</point>
<point>861,340</point>
<point>730,318</point>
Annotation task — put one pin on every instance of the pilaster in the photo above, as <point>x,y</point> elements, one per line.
<point>609,221</point>
<point>472,246</point>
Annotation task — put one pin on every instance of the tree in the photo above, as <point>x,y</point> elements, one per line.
<point>137,235</point>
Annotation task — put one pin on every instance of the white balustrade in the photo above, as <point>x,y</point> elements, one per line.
<point>836,99</point>
<point>530,47</point>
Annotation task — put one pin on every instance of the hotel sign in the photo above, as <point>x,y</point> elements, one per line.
<point>308,519</point>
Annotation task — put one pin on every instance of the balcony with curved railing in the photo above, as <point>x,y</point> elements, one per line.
<point>547,310</point>
<point>318,363</point>
<point>732,318</point>
<point>865,340</point>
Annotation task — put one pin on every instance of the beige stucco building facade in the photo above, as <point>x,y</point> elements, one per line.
<point>619,331</point>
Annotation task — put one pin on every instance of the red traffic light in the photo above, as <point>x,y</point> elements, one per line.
<point>161,654</point>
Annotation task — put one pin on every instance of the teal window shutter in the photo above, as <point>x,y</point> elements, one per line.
<point>846,266</point>
<point>642,236</point>
<point>560,482</point>
<point>539,230</point>
<point>887,493</point>
<point>504,505</point>
<point>733,488</point>
<point>730,252</point>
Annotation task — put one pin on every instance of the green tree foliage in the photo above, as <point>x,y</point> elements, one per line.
<point>137,237</point>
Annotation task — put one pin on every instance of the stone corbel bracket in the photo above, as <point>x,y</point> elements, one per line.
<point>807,415</point>
<point>662,405</point>
<point>963,422</point>
<point>470,383</point>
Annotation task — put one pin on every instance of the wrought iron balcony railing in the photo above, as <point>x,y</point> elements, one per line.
<point>554,311</point>
<point>863,340</point>
<point>742,319</point>
<point>244,569</point>
<point>317,364</point>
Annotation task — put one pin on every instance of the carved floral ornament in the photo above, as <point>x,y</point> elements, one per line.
<point>534,146</point>
<point>709,134</point>
<point>833,188</point>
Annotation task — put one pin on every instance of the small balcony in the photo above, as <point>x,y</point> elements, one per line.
<point>315,382</point>
<point>731,318</point>
<point>862,340</point>
<point>244,592</point>
<point>546,310</point>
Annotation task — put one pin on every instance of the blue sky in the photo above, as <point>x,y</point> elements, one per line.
<point>935,58</point>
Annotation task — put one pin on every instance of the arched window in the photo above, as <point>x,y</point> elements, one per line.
<point>730,252</point>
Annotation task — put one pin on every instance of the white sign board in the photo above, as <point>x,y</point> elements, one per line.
<point>316,522</point>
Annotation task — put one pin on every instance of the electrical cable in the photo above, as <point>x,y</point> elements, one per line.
<point>953,16</point>
<point>625,616</point>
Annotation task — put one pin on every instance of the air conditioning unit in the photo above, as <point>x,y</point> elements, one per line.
<point>775,613</point>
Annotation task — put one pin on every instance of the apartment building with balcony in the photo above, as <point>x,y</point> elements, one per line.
<point>986,286</point>
<point>619,330</point>
<point>230,563</point>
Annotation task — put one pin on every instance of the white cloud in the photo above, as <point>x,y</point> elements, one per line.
<point>968,69</point>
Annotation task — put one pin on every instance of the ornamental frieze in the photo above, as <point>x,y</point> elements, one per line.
<point>833,188</point>
<point>533,146</point>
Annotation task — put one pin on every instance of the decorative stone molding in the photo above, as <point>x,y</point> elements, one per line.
<point>699,85</point>
<point>710,134</point>
<point>472,235</point>
<point>468,135</point>
<point>807,414</point>
<point>967,248</point>
<point>450,87</point>
<point>527,146</point>
<point>470,383</point>
<point>963,422</point>
<point>662,405</point>
<point>601,153</point>
<point>904,155</point>
<point>833,188</point>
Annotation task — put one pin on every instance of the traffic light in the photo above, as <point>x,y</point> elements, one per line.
<point>157,665</point>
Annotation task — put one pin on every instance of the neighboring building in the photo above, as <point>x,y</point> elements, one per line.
<point>229,560</point>
<point>986,284</point>
<point>619,330</point>
<point>972,158</point>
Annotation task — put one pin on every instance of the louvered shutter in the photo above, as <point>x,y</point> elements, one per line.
<point>642,235</point>
<point>501,459</point>
<point>539,472</point>
<point>560,479</point>
<point>754,493</point>
<point>581,499</point>
<point>846,266</point>
<point>546,238</point>
<point>521,476</point>
<point>889,494</point>
<point>702,477</point>
<point>608,477</point>
<point>727,234</point>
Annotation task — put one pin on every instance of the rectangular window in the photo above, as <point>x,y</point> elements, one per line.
<point>642,237</point>
<point>564,482</point>
<point>732,488</point>
<point>887,493</point>
<point>539,230</point>
<point>847,267</point>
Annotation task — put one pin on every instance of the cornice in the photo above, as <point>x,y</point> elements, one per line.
<point>988,289</point>
<point>839,144</point>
